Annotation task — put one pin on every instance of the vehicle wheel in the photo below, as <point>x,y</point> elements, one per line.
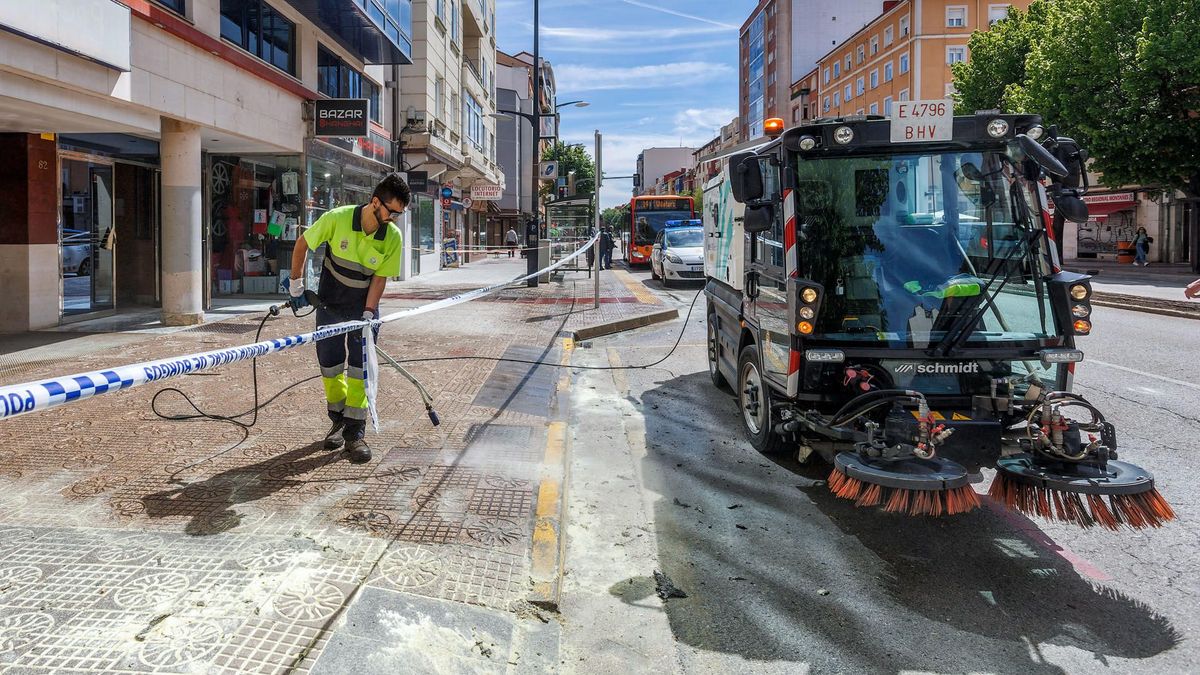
<point>85,268</point>
<point>714,370</point>
<point>653,274</point>
<point>754,400</point>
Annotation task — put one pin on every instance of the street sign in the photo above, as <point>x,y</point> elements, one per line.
<point>466,202</point>
<point>923,121</point>
<point>486,192</point>
<point>340,116</point>
<point>447,192</point>
<point>418,181</point>
<point>549,170</point>
<point>445,203</point>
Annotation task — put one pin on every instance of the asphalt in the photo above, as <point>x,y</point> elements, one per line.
<point>782,577</point>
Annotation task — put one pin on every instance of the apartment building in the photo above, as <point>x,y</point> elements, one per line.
<point>449,97</point>
<point>514,91</point>
<point>655,163</point>
<point>764,65</point>
<point>903,54</point>
<point>159,153</point>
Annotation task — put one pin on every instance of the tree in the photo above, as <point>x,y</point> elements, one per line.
<point>571,158</point>
<point>698,200</point>
<point>997,63</point>
<point>1120,76</point>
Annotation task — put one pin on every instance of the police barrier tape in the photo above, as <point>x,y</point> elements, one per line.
<point>22,399</point>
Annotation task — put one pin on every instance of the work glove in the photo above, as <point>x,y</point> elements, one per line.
<point>370,314</point>
<point>297,301</point>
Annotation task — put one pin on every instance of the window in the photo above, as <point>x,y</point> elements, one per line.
<point>826,75</point>
<point>439,90</point>
<point>825,104</point>
<point>174,5</point>
<point>903,63</point>
<point>858,89</point>
<point>441,10</point>
<point>874,109</point>
<point>889,36</point>
<point>887,105</point>
<point>337,79</point>
<point>257,28</point>
<point>956,17</point>
<point>837,99</point>
<point>795,114</point>
<point>846,93</point>
<point>903,94</point>
<point>473,127</point>
<point>837,70</point>
<point>859,111</point>
<point>955,54</point>
<point>454,21</point>
<point>874,46</point>
<point>874,78</point>
<point>903,26</point>
<point>997,13</point>
<point>887,72</point>
<point>847,63</point>
<point>860,54</point>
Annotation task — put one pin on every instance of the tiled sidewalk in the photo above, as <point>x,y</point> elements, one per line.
<point>133,544</point>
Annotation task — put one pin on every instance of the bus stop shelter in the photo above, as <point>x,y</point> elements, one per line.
<point>568,226</point>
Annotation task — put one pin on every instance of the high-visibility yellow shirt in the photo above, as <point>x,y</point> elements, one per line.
<point>353,257</point>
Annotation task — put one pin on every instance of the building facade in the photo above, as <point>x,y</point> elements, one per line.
<point>903,54</point>
<point>449,97</point>
<point>654,163</point>
<point>164,149</point>
<point>764,65</point>
<point>514,91</point>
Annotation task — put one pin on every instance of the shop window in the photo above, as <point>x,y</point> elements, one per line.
<point>336,79</point>
<point>257,28</point>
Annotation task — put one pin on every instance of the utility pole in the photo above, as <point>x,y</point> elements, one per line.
<point>533,229</point>
<point>596,224</point>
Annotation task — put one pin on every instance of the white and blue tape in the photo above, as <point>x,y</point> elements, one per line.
<point>22,399</point>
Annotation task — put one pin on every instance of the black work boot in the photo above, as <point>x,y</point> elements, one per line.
<point>333,439</point>
<point>358,450</point>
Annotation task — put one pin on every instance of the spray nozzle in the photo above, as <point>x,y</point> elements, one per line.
<point>433,416</point>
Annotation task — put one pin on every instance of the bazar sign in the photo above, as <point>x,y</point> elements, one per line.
<point>340,116</point>
<point>486,192</point>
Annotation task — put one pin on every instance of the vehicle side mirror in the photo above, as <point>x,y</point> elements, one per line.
<point>745,177</point>
<point>758,218</point>
<point>1043,157</point>
<point>1073,208</point>
<point>1074,158</point>
<point>972,172</point>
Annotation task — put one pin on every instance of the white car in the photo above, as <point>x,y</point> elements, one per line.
<point>76,252</point>
<point>678,255</point>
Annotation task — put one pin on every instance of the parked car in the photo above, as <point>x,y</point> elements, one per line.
<point>678,255</point>
<point>76,252</point>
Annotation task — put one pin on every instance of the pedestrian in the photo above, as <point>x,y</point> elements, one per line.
<point>362,249</point>
<point>510,239</point>
<point>1141,245</point>
<point>591,252</point>
<point>606,248</point>
<point>1192,290</point>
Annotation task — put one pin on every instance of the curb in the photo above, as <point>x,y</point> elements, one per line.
<point>1135,303</point>
<point>621,325</point>
<point>548,550</point>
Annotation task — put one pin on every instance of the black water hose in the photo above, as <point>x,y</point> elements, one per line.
<point>862,400</point>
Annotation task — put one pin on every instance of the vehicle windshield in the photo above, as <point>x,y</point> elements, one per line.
<point>684,238</point>
<point>911,249</point>
<point>647,224</point>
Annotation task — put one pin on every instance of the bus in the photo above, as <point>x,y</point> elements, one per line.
<point>647,216</point>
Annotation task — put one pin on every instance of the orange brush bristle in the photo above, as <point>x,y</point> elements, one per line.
<point>897,500</point>
<point>1134,511</point>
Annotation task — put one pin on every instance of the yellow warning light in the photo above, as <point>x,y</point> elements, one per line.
<point>805,328</point>
<point>773,126</point>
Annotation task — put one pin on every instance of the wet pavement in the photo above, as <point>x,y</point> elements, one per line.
<point>129,543</point>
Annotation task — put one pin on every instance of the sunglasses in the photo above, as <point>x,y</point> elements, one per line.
<point>393,215</point>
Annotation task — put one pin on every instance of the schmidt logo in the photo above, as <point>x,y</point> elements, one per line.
<point>937,368</point>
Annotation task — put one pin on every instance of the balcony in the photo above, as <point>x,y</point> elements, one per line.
<point>475,18</point>
<point>376,31</point>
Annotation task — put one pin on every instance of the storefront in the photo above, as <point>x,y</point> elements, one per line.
<point>108,218</point>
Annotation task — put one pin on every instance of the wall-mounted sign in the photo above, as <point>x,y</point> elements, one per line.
<point>486,192</point>
<point>447,192</point>
<point>549,170</point>
<point>372,146</point>
<point>418,181</point>
<point>340,117</point>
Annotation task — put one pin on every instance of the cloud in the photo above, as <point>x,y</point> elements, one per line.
<point>620,156</point>
<point>573,77</point>
<point>702,120</point>
<point>627,49</point>
<point>672,12</point>
<point>625,34</point>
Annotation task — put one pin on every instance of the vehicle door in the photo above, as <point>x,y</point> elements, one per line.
<point>656,252</point>
<point>769,299</point>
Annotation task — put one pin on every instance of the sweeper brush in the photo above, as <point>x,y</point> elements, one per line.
<point>913,486</point>
<point>1111,495</point>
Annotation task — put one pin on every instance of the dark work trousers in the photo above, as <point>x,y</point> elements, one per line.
<point>341,359</point>
<point>606,258</point>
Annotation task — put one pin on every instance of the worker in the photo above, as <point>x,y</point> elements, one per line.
<point>362,249</point>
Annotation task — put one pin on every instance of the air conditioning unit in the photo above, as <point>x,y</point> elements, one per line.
<point>415,119</point>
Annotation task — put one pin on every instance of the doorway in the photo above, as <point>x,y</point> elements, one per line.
<point>87,235</point>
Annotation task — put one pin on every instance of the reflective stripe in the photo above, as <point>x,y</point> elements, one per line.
<point>354,373</point>
<point>332,371</point>
<point>350,264</point>
<point>353,413</point>
<point>343,279</point>
<point>336,407</point>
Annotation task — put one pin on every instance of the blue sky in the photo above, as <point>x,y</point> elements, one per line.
<point>656,72</point>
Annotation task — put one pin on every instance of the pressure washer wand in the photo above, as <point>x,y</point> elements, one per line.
<point>425,397</point>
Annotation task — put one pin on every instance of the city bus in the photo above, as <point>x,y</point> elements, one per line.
<point>648,215</point>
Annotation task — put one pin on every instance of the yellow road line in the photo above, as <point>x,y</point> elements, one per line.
<point>547,549</point>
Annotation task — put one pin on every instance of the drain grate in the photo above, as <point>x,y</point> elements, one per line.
<point>225,328</point>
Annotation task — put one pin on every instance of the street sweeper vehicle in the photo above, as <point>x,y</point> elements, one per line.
<point>885,294</point>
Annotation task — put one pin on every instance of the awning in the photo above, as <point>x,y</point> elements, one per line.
<point>1102,205</point>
